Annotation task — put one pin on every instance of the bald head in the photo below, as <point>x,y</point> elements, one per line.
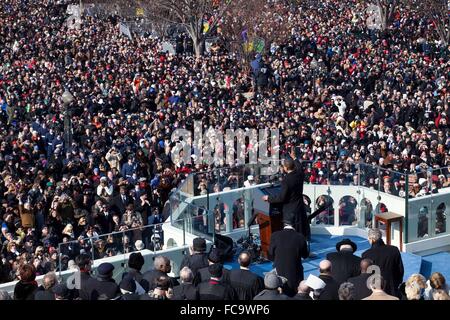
<point>325,266</point>
<point>303,287</point>
<point>244,259</point>
<point>365,263</point>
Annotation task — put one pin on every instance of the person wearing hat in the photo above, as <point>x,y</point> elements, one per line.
<point>128,289</point>
<point>250,181</point>
<point>139,245</point>
<point>203,274</point>
<point>215,289</point>
<point>273,284</point>
<point>106,285</point>
<point>345,263</point>
<point>197,257</point>
<point>135,263</point>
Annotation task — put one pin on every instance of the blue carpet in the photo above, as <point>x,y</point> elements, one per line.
<point>323,244</point>
<point>438,262</point>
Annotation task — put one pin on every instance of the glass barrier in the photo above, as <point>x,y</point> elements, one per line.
<point>230,206</point>
<point>133,236</point>
<point>428,210</point>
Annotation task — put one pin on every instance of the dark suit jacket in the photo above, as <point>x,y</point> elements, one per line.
<point>215,290</point>
<point>246,284</point>
<point>291,197</point>
<point>151,275</point>
<point>360,283</point>
<point>267,294</point>
<point>185,291</point>
<point>88,287</point>
<point>119,204</point>
<point>344,265</point>
<point>195,262</point>
<point>106,223</point>
<point>42,294</point>
<point>138,277</point>
<point>107,287</point>
<point>389,259</point>
<point>330,292</point>
<point>287,248</point>
<point>203,275</point>
<point>302,296</point>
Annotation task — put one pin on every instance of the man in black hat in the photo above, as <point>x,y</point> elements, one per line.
<point>135,263</point>
<point>128,289</point>
<point>345,263</point>
<point>214,289</point>
<point>197,258</point>
<point>203,274</point>
<point>245,283</point>
<point>106,285</point>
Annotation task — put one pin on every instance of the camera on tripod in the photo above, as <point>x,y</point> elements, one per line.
<point>250,244</point>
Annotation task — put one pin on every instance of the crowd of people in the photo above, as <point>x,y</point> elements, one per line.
<point>342,276</point>
<point>379,98</point>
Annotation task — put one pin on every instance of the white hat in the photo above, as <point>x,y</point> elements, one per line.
<point>250,178</point>
<point>139,245</point>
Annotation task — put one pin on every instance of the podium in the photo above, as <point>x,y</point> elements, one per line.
<point>269,218</point>
<point>389,218</point>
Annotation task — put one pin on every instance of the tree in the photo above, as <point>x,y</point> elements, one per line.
<point>251,26</point>
<point>438,12</point>
<point>198,17</point>
<point>387,9</point>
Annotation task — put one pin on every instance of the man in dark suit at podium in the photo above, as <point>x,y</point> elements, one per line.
<point>287,248</point>
<point>291,196</point>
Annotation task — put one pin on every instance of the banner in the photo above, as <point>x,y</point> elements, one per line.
<point>139,12</point>
<point>168,47</point>
<point>125,30</point>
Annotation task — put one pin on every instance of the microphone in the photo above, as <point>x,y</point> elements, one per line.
<point>252,219</point>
